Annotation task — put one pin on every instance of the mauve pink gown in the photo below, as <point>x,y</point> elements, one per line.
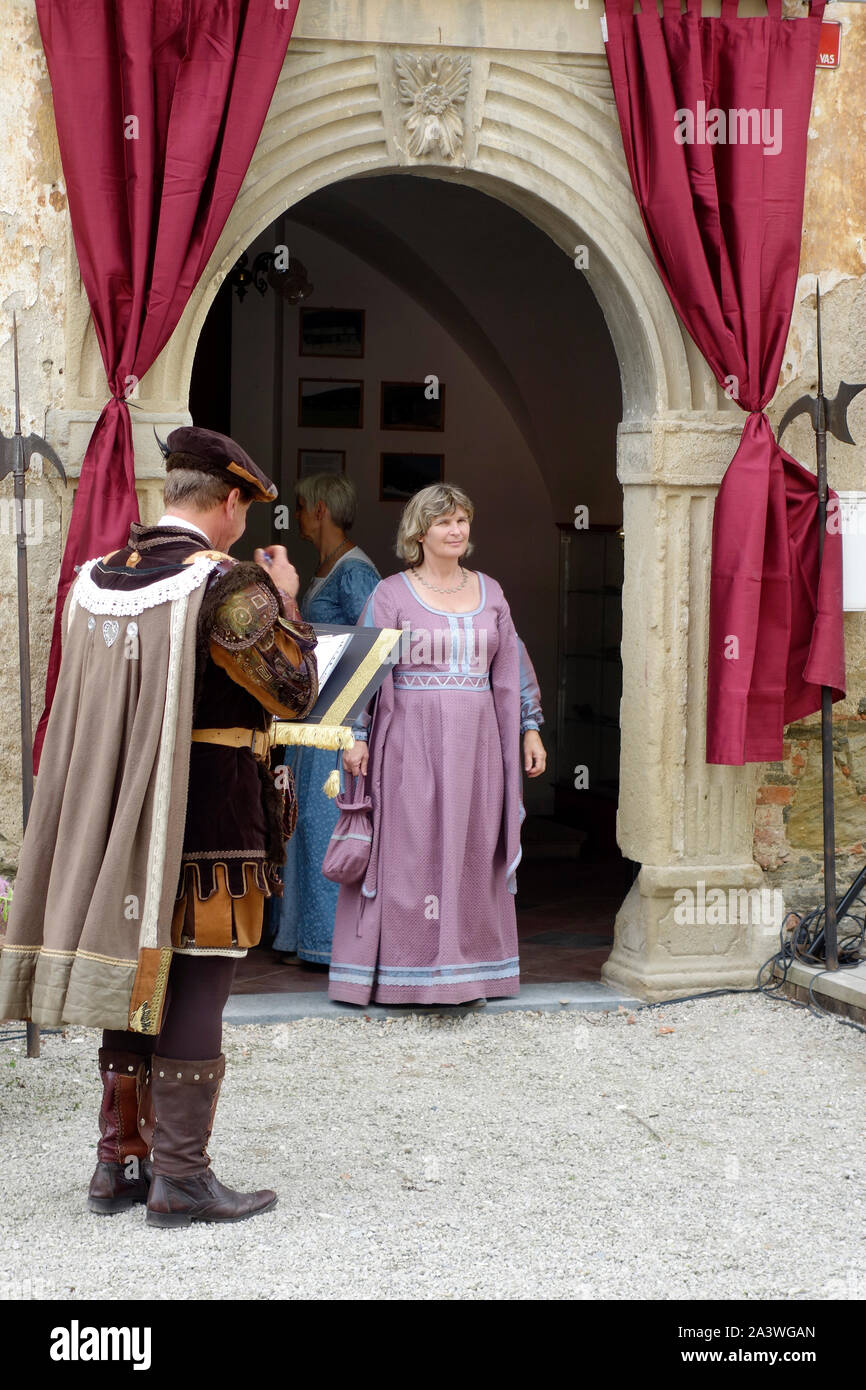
<point>434,919</point>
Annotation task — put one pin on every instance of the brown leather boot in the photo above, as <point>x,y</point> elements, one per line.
<point>184,1189</point>
<point>146,1117</point>
<point>122,1174</point>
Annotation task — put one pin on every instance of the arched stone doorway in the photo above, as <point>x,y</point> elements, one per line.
<point>455,283</point>
<point>543,138</point>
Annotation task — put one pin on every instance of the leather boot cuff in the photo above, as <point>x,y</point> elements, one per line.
<point>170,1069</point>
<point>124,1077</point>
<point>184,1099</point>
<point>121,1063</point>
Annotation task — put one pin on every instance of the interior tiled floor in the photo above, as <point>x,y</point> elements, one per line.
<point>565,913</point>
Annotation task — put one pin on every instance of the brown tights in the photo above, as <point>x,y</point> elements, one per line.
<point>192,1019</point>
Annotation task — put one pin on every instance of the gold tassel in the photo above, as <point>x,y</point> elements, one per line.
<point>331,784</point>
<point>311,735</point>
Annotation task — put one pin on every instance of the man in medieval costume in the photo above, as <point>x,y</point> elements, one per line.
<point>157,828</point>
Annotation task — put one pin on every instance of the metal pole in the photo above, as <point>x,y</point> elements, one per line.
<point>24,683</point>
<point>278,370</point>
<point>19,473</point>
<point>831,943</point>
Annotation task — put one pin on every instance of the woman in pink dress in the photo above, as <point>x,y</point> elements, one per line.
<point>433,921</point>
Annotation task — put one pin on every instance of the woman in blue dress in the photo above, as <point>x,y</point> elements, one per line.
<point>303,919</point>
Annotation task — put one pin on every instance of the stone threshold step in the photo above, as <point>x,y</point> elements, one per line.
<point>840,991</point>
<point>284,1008</point>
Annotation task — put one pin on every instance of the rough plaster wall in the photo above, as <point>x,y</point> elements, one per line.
<point>834,252</point>
<point>788,819</point>
<point>32,282</point>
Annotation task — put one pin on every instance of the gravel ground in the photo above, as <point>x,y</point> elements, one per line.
<point>524,1155</point>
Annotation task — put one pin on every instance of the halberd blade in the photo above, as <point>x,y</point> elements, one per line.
<point>7,454</point>
<point>35,444</point>
<point>806,405</point>
<point>837,410</point>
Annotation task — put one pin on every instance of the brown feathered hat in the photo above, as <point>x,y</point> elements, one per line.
<point>211,452</point>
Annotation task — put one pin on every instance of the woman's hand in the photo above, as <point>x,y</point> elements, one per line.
<point>355,759</point>
<point>534,754</point>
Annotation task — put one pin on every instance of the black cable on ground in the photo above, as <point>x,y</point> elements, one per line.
<point>7,1036</point>
<point>807,944</point>
<point>804,942</point>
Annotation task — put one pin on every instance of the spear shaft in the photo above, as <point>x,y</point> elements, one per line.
<point>831,936</point>
<point>828,417</point>
<point>19,474</point>
<point>15,455</point>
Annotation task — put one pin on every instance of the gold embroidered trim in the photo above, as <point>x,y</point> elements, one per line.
<point>160,982</point>
<point>143,1019</point>
<point>193,855</point>
<point>106,960</point>
<point>62,953</point>
<point>376,656</point>
<point>211,951</point>
<point>210,555</point>
<point>295,734</point>
<point>257,866</point>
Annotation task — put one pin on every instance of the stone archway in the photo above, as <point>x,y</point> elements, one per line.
<point>542,136</point>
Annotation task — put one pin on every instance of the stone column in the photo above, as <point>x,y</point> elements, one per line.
<point>689,824</point>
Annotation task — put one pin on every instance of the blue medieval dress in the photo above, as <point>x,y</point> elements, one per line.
<point>303,919</point>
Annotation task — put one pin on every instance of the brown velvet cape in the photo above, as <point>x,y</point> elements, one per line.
<point>89,936</point>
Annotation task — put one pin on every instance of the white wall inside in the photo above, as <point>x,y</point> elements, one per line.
<point>531,411</point>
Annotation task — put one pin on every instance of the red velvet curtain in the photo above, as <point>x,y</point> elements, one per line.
<point>724,221</point>
<point>158,104</point>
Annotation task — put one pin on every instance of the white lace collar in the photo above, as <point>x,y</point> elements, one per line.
<point>129,602</point>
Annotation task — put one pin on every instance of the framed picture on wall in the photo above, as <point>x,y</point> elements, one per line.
<point>312,461</point>
<point>330,404</point>
<point>405,406</point>
<point>331,333</point>
<point>402,475</point>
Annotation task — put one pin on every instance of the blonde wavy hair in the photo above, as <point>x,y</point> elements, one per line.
<point>421,511</point>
